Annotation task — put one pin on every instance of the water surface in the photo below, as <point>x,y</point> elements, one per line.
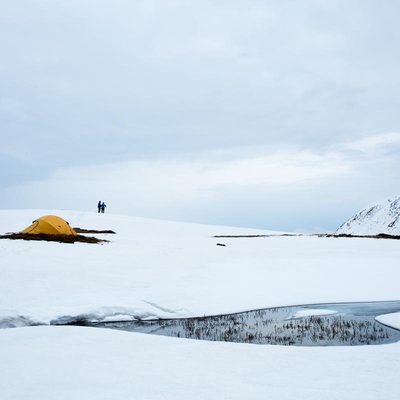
<point>338,324</point>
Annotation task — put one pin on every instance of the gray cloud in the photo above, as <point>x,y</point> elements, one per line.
<point>98,83</point>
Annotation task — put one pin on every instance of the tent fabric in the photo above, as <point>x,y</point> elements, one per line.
<point>51,225</point>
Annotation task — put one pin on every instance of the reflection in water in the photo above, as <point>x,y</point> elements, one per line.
<point>345,324</point>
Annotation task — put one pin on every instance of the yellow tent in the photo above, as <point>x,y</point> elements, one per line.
<point>51,225</point>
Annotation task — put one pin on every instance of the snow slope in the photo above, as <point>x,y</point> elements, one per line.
<point>382,218</point>
<point>167,269</point>
<point>64,363</point>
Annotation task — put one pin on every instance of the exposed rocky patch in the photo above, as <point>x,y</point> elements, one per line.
<point>379,236</point>
<point>81,230</point>
<point>52,238</point>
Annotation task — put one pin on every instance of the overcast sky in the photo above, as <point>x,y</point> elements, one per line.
<point>267,114</point>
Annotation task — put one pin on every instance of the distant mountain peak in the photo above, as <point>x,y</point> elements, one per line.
<point>381,218</point>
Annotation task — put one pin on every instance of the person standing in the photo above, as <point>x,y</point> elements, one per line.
<point>103,207</point>
<point>99,206</point>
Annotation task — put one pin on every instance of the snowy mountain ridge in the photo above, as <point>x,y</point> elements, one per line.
<point>381,218</point>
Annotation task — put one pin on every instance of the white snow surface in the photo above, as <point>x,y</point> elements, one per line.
<point>381,218</point>
<point>156,268</point>
<point>390,320</point>
<point>64,363</point>
<point>166,269</point>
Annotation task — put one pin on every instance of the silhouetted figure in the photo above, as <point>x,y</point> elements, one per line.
<point>103,207</point>
<point>99,206</point>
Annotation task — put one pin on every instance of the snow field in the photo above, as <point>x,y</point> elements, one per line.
<point>84,363</point>
<point>166,269</point>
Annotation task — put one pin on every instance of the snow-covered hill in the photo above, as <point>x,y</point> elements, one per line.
<point>164,269</point>
<point>382,218</point>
